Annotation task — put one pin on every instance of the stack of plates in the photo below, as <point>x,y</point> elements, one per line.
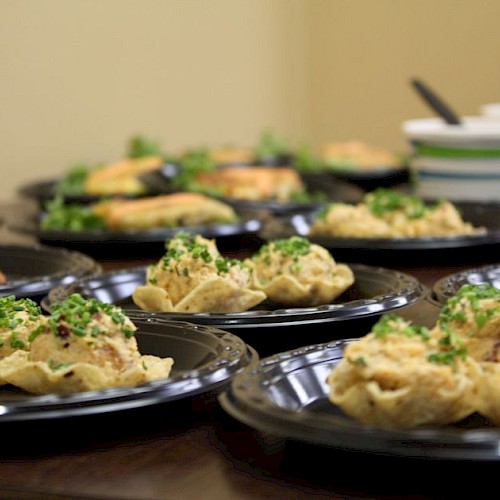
<point>457,162</point>
<point>32,271</point>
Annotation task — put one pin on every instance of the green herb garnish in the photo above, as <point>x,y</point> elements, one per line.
<point>139,146</point>
<point>71,217</point>
<point>390,323</point>
<point>78,312</point>
<point>383,201</point>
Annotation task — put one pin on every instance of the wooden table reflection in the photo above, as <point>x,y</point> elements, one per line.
<point>193,449</point>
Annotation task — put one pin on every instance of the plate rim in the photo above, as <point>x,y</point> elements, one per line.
<point>343,432</point>
<point>236,356</point>
<point>248,225</point>
<point>299,224</point>
<point>83,265</point>
<point>438,290</point>
<point>409,291</point>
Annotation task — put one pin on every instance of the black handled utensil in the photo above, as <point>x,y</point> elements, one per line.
<point>436,102</point>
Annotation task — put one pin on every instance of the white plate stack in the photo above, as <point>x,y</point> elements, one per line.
<point>457,162</point>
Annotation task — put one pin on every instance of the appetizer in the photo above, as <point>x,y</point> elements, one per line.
<point>473,318</point>
<point>386,213</point>
<point>253,183</point>
<point>121,177</point>
<point>193,277</point>
<point>400,376</point>
<point>359,155</point>
<point>19,318</point>
<point>172,210</point>
<point>83,345</point>
<point>404,376</point>
<point>231,155</point>
<point>296,272</point>
<point>271,149</point>
<point>201,170</point>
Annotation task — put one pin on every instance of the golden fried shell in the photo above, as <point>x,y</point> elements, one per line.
<point>393,378</point>
<point>297,273</point>
<point>84,345</point>
<point>193,277</point>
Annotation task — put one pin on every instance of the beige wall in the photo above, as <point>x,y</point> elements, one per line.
<point>365,52</point>
<point>79,77</point>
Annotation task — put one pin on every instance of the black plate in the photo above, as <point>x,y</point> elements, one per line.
<point>447,287</point>
<point>44,190</point>
<point>121,244</point>
<point>204,360</point>
<point>370,179</point>
<point>31,271</point>
<point>287,395</point>
<point>271,327</point>
<point>273,206</point>
<point>407,251</point>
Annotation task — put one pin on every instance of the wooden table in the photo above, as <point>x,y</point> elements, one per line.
<point>193,449</point>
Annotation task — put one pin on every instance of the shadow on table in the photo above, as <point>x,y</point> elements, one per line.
<point>322,470</point>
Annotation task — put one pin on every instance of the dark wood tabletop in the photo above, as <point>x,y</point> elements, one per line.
<point>193,449</point>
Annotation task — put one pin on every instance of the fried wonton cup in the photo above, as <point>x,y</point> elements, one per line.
<point>399,376</point>
<point>297,273</point>
<point>193,277</point>
<point>486,378</point>
<point>42,377</point>
<point>473,316</point>
<point>84,345</point>
<point>385,213</point>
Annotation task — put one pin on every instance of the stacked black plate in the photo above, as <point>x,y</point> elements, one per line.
<point>31,271</point>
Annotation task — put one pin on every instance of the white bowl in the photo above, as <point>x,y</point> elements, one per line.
<point>436,188</point>
<point>475,131</point>
<point>491,111</point>
<point>458,167</point>
<point>457,179</point>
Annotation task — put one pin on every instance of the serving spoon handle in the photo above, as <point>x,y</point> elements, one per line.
<point>436,102</point>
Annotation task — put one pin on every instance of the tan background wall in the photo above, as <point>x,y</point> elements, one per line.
<point>79,77</point>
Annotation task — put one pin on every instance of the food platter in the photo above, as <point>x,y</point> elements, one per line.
<point>407,250</point>
<point>204,360</point>
<point>31,271</point>
<point>271,327</point>
<point>286,395</point>
<point>448,286</point>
